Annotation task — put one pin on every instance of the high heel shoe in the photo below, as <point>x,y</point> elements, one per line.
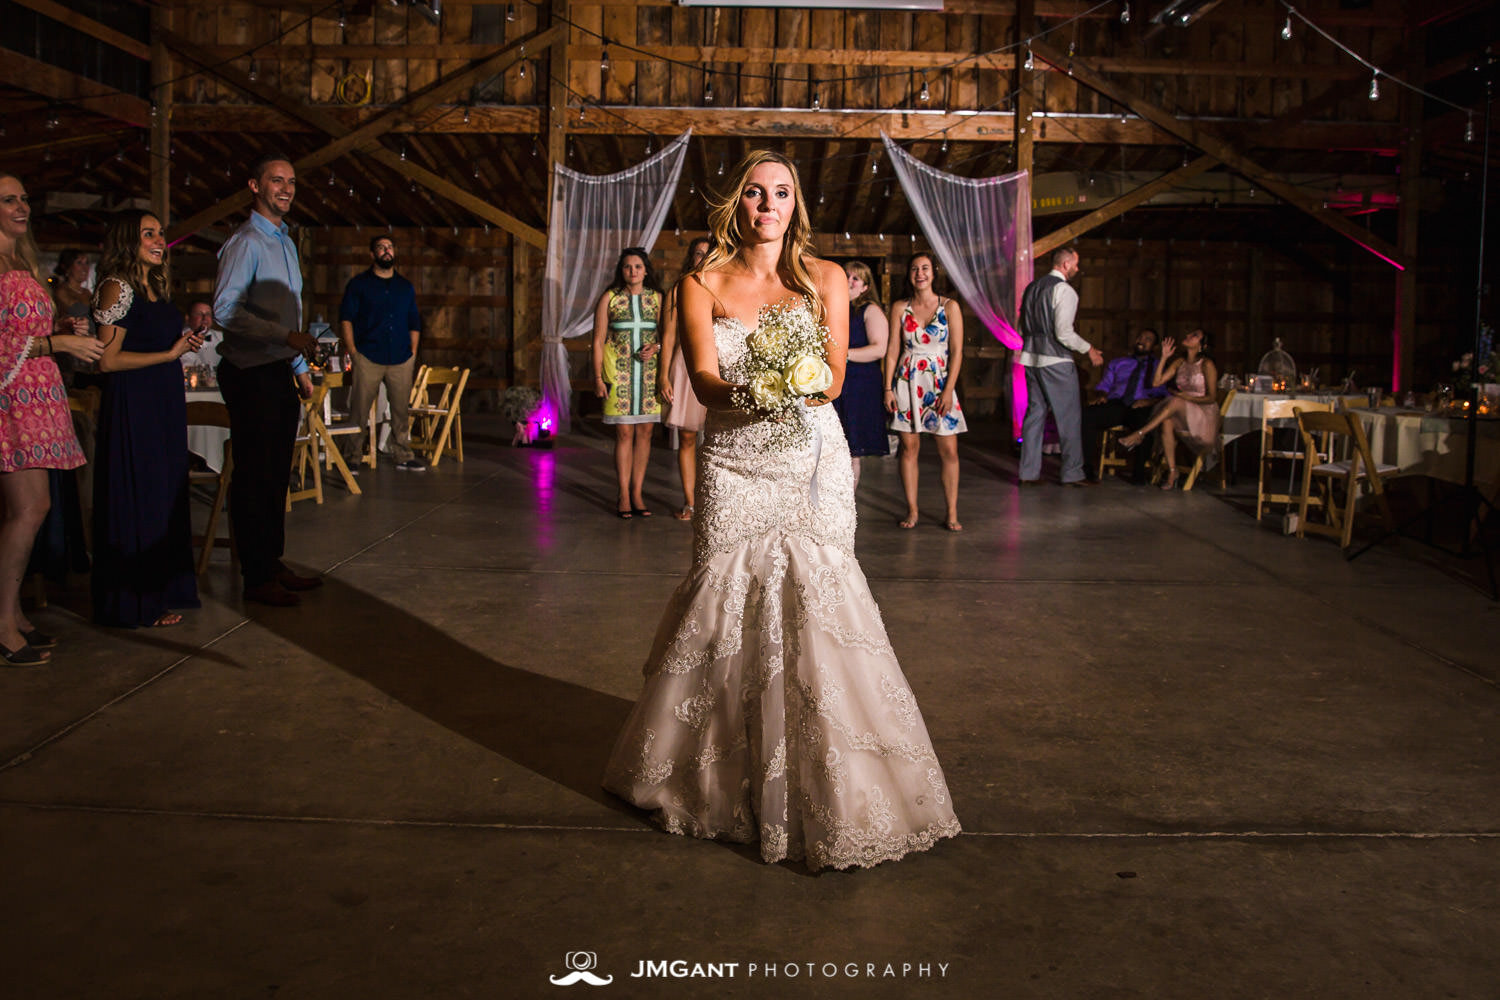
<point>1126,443</point>
<point>1171,483</point>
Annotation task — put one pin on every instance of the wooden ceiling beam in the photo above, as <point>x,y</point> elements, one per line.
<point>1222,150</point>
<point>36,77</point>
<point>90,27</point>
<point>996,126</point>
<point>367,135</point>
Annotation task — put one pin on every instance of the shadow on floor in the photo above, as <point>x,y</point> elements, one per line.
<point>559,730</point>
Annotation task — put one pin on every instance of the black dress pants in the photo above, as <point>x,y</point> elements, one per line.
<point>263,415</point>
<point>1100,417</point>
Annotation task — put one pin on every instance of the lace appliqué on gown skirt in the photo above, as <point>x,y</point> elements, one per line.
<point>774,709</point>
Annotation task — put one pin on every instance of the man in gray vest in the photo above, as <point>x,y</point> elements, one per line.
<point>1048,340</point>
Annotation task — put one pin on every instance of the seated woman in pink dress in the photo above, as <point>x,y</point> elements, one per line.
<point>1190,414</point>
<point>36,430</point>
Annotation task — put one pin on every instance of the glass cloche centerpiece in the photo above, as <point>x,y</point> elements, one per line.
<point>1279,366</point>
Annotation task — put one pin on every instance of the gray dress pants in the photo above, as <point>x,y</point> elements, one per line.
<point>1054,388</point>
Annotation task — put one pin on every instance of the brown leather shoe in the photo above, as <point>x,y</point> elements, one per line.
<point>273,594</point>
<point>292,581</point>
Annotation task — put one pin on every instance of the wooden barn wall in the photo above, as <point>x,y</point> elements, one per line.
<point>463,288</point>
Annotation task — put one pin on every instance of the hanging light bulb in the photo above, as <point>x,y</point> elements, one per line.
<point>925,95</point>
<point>708,90</point>
<point>466,116</point>
<point>817,101</point>
<point>332,180</point>
<point>582,112</point>
<point>945,143</point>
<point>403,152</point>
<point>846,235</point>
<point>875,165</point>
<point>1125,12</point>
<point>604,60</point>
<point>692,188</point>
<point>881,237</point>
<point>820,197</point>
<point>536,149</point>
<point>1375,85</point>
<point>254,71</point>
<point>476,171</point>
<point>1286,29</point>
<point>1469,128</point>
<point>510,12</point>
<point>1030,63</point>
<point>721,168</point>
<point>649,145</point>
<point>342,22</point>
<point>523,69</point>
<point>53,121</point>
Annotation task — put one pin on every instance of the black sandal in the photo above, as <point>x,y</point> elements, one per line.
<point>624,515</point>
<point>37,639</point>
<point>23,657</point>
<point>642,512</point>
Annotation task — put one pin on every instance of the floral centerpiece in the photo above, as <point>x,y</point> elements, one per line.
<point>788,364</point>
<point>520,404</point>
<point>1479,367</point>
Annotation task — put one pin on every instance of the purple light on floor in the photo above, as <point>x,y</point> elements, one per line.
<point>543,476</point>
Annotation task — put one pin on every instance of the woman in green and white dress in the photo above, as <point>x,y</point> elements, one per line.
<point>626,345</point>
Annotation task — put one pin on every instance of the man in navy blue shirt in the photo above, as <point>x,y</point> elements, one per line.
<point>379,327</point>
<point>1124,395</point>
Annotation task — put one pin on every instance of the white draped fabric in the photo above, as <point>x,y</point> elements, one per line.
<point>981,233</point>
<point>592,220</point>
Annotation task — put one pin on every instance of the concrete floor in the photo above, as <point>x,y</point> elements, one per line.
<point>1193,758</point>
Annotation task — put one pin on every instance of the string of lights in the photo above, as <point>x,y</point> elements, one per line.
<point>1376,73</point>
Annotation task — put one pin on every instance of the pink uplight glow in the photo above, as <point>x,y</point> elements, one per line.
<point>1007,335</point>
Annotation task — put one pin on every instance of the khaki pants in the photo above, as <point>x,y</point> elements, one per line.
<point>368,377</point>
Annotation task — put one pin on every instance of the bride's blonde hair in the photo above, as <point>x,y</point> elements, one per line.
<point>796,246</point>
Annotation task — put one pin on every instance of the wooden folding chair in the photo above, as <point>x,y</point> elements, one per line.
<point>1189,473</point>
<point>1342,434</point>
<point>1282,409</point>
<point>435,424</point>
<point>206,414</point>
<point>1109,454</point>
<point>312,437</point>
<point>351,425</point>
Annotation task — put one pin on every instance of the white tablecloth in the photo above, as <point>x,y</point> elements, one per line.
<point>204,441</point>
<point>1422,444</point>
<point>1243,415</point>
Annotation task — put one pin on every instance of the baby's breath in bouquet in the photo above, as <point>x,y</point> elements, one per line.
<point>788,364</point>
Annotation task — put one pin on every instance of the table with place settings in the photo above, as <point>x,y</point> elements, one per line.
<point>207,442</point>
<point>1418,443</point>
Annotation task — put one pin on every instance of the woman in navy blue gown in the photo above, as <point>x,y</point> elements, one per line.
<point>143,541</point>
<point>860,406</point>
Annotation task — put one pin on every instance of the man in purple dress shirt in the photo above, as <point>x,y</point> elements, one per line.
<point>1124,395</point>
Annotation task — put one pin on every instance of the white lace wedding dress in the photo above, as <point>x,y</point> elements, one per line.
<point>774,708</point>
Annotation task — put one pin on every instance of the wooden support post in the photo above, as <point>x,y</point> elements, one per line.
<point>557,99</point>
<point>523,322</point>
<point>1025,133</point>
<point>1404,326</point>
<point>161,119</point>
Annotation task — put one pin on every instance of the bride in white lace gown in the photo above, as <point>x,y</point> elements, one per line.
<point>774,708</point>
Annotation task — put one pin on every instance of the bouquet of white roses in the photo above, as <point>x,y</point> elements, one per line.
<point>788,364</point>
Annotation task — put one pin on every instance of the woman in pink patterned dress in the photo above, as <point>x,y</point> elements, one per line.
<point>36,430</point>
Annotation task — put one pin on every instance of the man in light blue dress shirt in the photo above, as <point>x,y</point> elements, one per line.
<point>258,303</point>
